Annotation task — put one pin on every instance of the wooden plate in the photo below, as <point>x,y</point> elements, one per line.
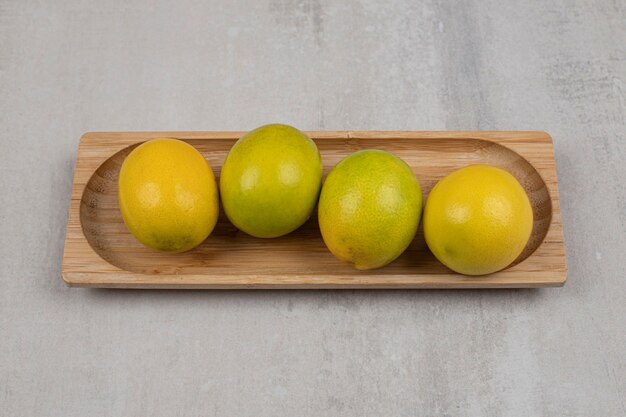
<point>101,252</point>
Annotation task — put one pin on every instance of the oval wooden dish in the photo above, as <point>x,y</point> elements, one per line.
<point>101,252</point>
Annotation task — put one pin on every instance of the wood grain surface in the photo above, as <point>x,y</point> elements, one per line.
<point>101,252</point>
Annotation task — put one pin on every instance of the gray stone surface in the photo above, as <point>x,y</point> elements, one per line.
<point>67,67</point>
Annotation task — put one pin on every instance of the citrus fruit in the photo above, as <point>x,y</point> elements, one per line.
<point>477,220</point>
<point>270,181</point>
<point>369,208</point>
<point>168,195</point>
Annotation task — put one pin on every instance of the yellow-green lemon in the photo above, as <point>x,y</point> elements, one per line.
<point>271,180</point>
<point>477,220</point>
<point>168,195</point>
<point>369,208</point>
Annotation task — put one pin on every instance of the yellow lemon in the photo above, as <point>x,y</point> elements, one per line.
<point>477,220</point>
<point>168,195</point>
<point>369,208</point>
<point>270,181</point>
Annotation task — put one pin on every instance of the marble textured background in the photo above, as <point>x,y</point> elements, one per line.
<point>67,67</point>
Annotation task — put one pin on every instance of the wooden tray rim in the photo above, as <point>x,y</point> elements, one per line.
<point>110,276</point>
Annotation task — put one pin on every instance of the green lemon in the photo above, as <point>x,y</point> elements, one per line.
<point>369,208</point>
<point>477,220</point>
<point>168,195</point>
<point>271,180</point>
